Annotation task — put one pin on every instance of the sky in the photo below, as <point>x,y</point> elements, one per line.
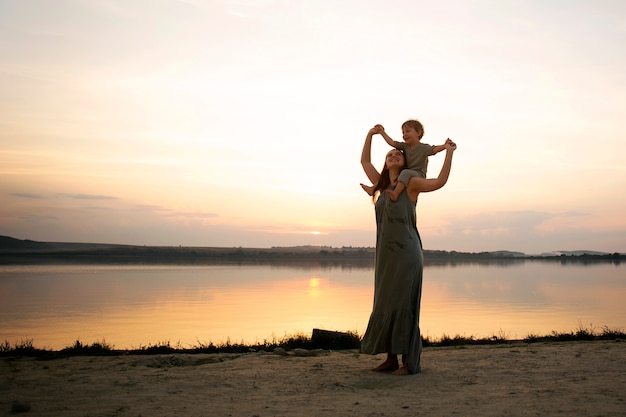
<point>241,122</point>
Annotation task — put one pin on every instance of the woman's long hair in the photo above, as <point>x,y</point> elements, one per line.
<point>384,181</point>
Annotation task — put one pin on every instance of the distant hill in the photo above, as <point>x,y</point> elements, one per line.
<point>574,253</point>
<point>17,251</point>
<point>9,244</point>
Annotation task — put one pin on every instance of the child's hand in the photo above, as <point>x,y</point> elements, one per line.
<point>376,130</point>
<point>450,145</point>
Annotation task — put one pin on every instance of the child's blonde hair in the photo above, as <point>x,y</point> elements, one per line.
<point>415,124</point>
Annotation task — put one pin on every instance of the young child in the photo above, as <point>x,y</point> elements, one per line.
<point>416,154</point>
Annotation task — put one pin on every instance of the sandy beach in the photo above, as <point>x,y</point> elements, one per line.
<point>515,379</point>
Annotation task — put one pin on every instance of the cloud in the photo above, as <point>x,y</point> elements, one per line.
<point>36,219</point>
<point>28,195</point>
<point>63,195</point>
<point>499,223</point>
<point>157,210</point>
<point>86,196</point>
<point>526,231</point>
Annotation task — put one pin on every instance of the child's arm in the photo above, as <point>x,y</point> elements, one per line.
<point>439,148</point>
<point>387,138</point>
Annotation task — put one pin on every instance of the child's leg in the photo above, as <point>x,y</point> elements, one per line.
<point>395,193</point>
<point>369,189</point>
<point>403,180</point>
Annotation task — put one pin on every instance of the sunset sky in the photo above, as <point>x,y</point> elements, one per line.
<point>241,122</point>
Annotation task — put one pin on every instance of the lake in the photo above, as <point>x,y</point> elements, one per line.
<point>134,306</point>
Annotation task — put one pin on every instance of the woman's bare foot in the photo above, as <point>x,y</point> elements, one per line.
<point>388,365</point>
<point>392,195</point>
<point>369,189</point>
<point>401,371</point>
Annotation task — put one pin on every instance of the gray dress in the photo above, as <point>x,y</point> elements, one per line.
<point>394,323</point>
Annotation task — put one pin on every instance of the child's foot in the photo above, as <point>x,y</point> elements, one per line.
<point>369,189</point>
<point>392,195</point>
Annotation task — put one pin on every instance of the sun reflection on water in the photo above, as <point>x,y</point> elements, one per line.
<point>133,307</point>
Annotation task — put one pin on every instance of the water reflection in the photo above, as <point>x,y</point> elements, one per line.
<point>134,306</point>
<point>530,297</point>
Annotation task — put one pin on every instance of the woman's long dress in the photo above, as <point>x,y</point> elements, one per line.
<point>394,323</point>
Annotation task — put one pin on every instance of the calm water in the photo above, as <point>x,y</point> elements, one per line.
<point>135,306</point>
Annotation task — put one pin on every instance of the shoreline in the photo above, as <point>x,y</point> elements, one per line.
<point>570,378</point>
<point>319,339</point>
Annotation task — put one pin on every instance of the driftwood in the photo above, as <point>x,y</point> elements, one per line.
<point>328,339</point>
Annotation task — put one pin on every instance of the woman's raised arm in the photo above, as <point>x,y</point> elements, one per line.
<point>366,158</point>
<point>423,185</point>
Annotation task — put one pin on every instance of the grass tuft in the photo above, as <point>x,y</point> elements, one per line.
<point>581,333</point>
<point>349,340</point>
<point>23,348</point>
<point>97,348</point>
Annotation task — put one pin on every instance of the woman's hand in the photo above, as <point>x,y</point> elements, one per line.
<point>373,131</point>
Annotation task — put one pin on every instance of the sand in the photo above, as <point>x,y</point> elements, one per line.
<point>516,379</point>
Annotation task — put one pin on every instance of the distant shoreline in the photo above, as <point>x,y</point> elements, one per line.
<point>16,251</point>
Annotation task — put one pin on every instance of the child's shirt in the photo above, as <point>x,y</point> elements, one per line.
<point>416,158</point>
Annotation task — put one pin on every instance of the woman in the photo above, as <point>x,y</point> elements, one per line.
<point>393,326</point>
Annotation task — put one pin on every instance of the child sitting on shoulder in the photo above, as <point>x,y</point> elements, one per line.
<point>416,154</point>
